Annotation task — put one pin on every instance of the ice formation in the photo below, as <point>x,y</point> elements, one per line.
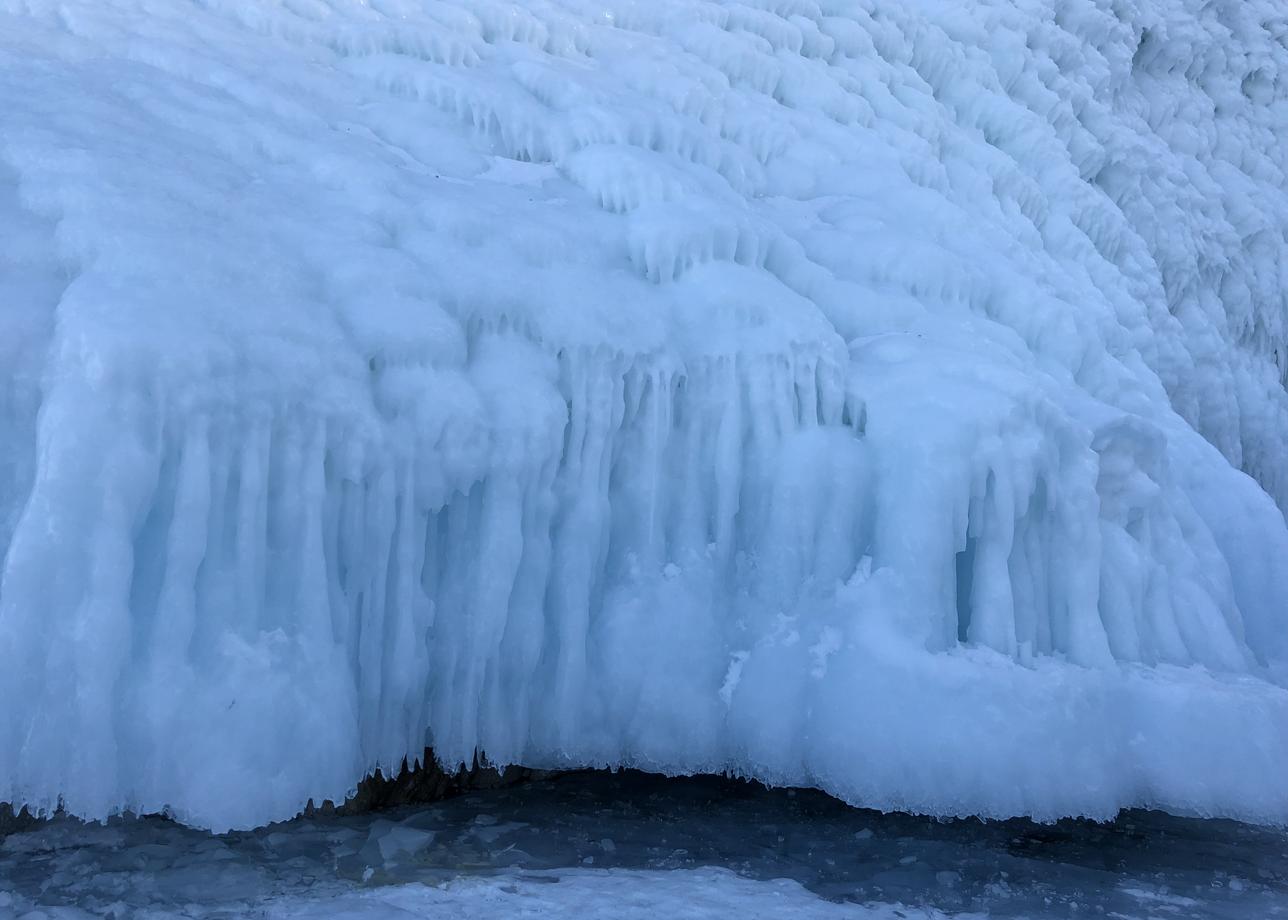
<point>880,395</point>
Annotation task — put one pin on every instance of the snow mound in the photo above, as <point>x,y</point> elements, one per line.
<point>881,396</point>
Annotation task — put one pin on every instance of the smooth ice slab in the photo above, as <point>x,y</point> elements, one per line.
<point>877,396</point>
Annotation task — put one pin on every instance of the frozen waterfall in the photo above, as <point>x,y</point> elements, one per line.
<point>879,395</point>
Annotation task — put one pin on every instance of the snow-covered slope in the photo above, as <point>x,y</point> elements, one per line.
<point>839,393</point>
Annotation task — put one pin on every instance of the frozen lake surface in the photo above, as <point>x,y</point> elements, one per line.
<point>635,845</point>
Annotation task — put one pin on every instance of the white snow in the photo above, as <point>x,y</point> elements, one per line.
<point>621,895</point>
<point>850,394</point>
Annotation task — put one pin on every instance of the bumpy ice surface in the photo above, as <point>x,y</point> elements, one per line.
<point>881,396</point>
<point>637,847</point>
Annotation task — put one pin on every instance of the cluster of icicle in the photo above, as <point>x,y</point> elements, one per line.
<point>852,394</point>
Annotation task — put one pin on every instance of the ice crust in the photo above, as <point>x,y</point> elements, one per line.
<point>879,396</point>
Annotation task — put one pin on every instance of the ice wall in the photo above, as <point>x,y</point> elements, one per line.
<point>846,394</point>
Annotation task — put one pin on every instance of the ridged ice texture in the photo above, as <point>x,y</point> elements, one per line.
<point>838,393</point>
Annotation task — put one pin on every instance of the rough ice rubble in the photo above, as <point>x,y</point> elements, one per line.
<point>839,394</point>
